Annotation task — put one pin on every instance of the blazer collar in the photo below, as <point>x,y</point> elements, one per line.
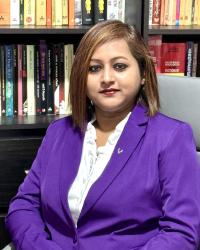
<point>126,145</point>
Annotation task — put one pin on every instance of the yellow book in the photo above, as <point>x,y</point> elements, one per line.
<point>57,12</point>
<point>41,12</point>
<point>29,12</point>
<point>64,12</point>
<point>198,12</point>
<point>188,12</point>
<point>182,12</point>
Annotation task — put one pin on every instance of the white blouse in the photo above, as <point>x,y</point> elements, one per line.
<point>92,165</point>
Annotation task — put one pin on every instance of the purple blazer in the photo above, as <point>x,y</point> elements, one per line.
<point>147,198</point>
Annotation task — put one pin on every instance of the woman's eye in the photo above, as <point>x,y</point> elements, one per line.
<point>94,68</point>
<point>120,66</point>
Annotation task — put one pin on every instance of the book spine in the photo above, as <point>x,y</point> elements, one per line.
<point>61,79</point>
<point>156,12</point>
<point>182,12</point>
<point>3,84</point>
<point>177,12</point>
<point>155,49</point>
<point>49,12</point>
<point>19,69</point>
<point>188,12</point>
<point>21,12</point>
<point>24,80</point>
<point>15,79</point>
<point>14,12</point>
<point>77,12</point>
<point>65,12</point>
<point>68,54</point>
<point>100,10</point>
<point>71,10</point>
<point>150,11</point>
<point>37,81</point>
<point>87,12</point>
<point>121,10</point>
<point>29,12</point>
<point>112,9</point>
<point>9,80</point>
<point>4,12</point>
<point>55,78</point>
<point>189,56</point>
<point>162,12</point>
<point>43,75</point>
<point>41,12</point>
<point>58,12</point>
<point>30,80</point>
<point>194,60</point>
<point>198,61</point>
<point>50,97</point>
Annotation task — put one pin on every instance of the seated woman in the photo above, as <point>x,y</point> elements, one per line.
<point>116,174</point>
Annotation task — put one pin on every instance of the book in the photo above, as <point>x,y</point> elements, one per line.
<point>77,12</point>
<point>14,12</point>
<point>19,79</point>
<point>71,8</point>
<point>9,79</point>
<point>68,60</point>
<point>162,12</point>
<point>57,12</point>
<point>150,11</point>
<point>55,78</point>
<point>50,96</point>
<point>61,78</point>
<point>41,12</point>
<point>189,57</point>
<point>87,12</point>
<point>21,12</point>
<point>100,10</point>
<point>65,12</point>
<point>15,79</point>
<point>3,84</point>
<point>29,12</point>
<point>37,81</point>
<point>156,12</point>
<point>43,75</point>
<point>24,80</point>
<point>4,12</point>
<point>30,80</point>
<point>194,60</point>
<point>155,49</point>
<point>173,58</point>
<point>112,9</point>
<point>49,12</point>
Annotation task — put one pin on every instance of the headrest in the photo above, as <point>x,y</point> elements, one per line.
<point>180,99</point>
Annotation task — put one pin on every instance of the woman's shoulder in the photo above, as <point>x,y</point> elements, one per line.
<point>166,124</point>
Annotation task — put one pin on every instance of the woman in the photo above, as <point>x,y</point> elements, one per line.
<point>116,174</point>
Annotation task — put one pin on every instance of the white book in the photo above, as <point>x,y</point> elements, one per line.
<point>121,10</point>
<point>30,80</point>
<point>68,60</point>
<point>112,9</point>
<point>150,11</point>
<point>14,12</point>
<point>77,12</point>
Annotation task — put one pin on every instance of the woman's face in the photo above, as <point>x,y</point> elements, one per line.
<point>114,78</point>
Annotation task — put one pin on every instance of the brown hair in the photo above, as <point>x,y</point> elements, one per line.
<point>96,36</point>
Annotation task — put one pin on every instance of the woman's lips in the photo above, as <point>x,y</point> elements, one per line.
<point>108,92</point>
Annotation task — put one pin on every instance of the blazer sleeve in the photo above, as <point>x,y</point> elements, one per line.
<point>24,221</point>
<point>179,171</point>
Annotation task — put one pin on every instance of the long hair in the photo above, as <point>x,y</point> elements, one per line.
<point>99,34</point>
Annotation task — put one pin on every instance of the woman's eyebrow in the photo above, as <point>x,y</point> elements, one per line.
<point>113,59</point>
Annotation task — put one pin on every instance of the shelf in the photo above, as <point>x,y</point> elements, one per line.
<point>174,30</point>
<point>55,30</point>
<point>27,122</point>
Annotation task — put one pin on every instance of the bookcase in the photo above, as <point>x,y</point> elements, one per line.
<point>20,136</point>
<point>174,33</point>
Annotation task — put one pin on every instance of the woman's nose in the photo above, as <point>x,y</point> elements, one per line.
<point>107,76</point>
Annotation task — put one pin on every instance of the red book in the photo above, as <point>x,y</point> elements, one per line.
<point>173,58</point>
<point>155,47</point>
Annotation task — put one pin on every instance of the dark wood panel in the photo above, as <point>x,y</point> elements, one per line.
<point>16,155</point>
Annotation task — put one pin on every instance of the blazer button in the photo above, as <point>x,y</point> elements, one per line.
<point>75,239</point>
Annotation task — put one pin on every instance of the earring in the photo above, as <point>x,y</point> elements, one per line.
<point>143,81</point>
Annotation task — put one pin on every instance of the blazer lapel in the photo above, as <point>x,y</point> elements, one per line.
<point>126,145</point>
<point>72,150</point>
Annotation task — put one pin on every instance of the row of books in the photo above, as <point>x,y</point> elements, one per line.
<point>175,58</point>
<point>174,12</point>
<point>60,12</point>
<point>34,79</point>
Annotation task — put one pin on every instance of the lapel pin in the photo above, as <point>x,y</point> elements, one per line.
<point>119,151</point>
